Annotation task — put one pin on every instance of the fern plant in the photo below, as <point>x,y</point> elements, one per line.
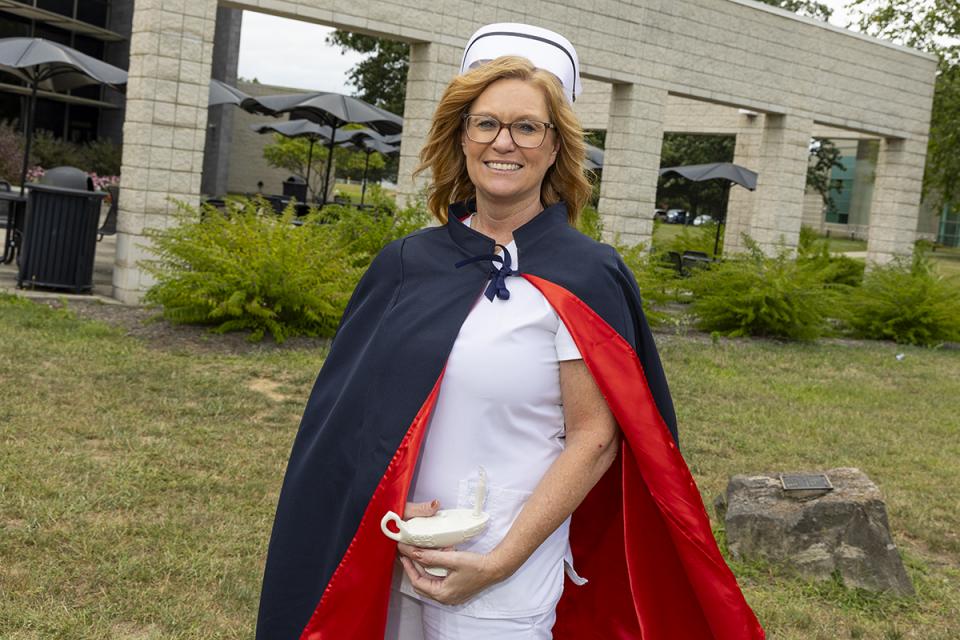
<point>906,301</point>
<point>753,294</point>
<point>248,269</point>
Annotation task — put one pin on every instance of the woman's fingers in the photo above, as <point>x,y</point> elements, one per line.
<point>420,509</point>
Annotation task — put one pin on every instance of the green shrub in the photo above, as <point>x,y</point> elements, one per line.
<point>11,153</point>
<point>590,223</point>
<point>691,238</point>
<point>364,232</point>
<point>656,279</point>
<point>250,269</point>
<point>101,157</point>
<point>813,255</point>
<point>755,295</point>
<point>906,301</point>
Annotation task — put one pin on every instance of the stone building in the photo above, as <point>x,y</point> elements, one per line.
<point>647,63</point>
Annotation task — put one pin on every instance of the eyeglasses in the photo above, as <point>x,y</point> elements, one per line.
<point>526,134</point>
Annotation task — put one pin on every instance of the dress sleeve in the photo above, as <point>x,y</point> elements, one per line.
<point>566,347</point>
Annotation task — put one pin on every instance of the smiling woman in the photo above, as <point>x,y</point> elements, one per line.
<point>503,340</point>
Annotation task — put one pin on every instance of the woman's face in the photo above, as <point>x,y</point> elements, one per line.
<point>501,171</point>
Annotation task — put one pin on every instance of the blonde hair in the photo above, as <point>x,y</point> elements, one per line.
<point>565,179</point>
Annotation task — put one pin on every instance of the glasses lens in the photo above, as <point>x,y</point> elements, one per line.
<point>482,129</point>
<point>528,133</point>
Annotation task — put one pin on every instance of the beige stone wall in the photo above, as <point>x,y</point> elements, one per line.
<point>738,53</point>
<point>171,49</point>
<point>247,165</point>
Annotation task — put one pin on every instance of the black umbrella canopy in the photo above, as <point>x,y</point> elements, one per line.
<point>369,145</point>
<point>55,67</point>
<point>301,129</point>
<point>713,171</point>
<point>730,173</point>
<point>335,110</point>
<point>594,159</point>
<point>223,93</point>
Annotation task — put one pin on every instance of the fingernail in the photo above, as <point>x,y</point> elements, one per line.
<point>434,504</point>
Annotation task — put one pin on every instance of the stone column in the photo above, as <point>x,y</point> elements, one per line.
<point>742,202</point>
<point>171,49</point>
<point>895,206</point>
<point>782,165</point>
<point>631,162</point>
<point>432,66</point>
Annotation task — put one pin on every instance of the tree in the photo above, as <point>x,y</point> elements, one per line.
<point>380,78</point>
<point>292,153</point>
<point>825,156</point>
<point>684,149</point>
<point>808,8</point>
<point>932,26</point>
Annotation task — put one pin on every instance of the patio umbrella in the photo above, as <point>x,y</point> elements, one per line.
<point>334,110</point>
<point>310,130</point>
<point>53,67</point>
<point>368,145</point>
<point>730,173</point>
<point>594,159</point>
<point>223,93</point>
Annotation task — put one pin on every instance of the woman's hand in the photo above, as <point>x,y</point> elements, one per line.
<point>468,573</point>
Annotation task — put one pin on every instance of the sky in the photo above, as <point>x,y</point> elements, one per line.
<point>302,59</point>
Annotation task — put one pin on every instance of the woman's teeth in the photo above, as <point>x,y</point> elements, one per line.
<point>503,166</point>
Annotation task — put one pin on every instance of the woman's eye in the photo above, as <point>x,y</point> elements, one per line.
<point>525,127</point>
<point>486,124</point>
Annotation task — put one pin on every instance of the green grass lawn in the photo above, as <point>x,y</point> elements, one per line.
<point>353,190</point>
<point>138,482</point>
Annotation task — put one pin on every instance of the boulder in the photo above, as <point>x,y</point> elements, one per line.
<point>843,531</point>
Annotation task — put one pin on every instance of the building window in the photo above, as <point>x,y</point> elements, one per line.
<point>842,193</point>
<point>63,7</point>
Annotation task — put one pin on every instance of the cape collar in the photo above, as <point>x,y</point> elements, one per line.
<point>473,242</point>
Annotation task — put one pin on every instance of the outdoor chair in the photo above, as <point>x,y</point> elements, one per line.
<point>109,227</point>
<point>4,211</point>
<point>695,260</point>
<point>675,260</point>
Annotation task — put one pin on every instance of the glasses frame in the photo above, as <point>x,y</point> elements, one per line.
<point>509,126</point>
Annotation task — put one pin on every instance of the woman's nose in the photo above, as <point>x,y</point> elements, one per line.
<point>503,141</point>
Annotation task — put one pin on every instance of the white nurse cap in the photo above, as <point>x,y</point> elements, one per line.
<point>546,49</point>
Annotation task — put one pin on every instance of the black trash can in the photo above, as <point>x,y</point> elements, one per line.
<point>59,238</point>
<point>295,187</point>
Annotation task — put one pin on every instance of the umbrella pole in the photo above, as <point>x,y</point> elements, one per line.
<point>723,218</point>
<point>363,187</point>
<point>31,106</point>
<point>309,162</point>
<point>326,181</point>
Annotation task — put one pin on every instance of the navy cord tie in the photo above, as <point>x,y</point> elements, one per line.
<point>498,275</point>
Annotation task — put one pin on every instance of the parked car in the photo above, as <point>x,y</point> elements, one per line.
<point>702,219</point>
<point>676,216</point>
<point>660,214</point>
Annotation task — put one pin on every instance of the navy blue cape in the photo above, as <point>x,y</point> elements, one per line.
<point>641,537</point>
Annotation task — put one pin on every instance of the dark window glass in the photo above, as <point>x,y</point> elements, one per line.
<point>50,116</point>
<point>63,7</point>
<point>82,123</point>
<point>14,26</point>
<point>89,46</point>
<point>52,33</point>
<point>94,12</point>
<point>10,106</point>
<point>90,91</point>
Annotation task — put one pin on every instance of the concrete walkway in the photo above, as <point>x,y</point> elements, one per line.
<point>102,277</point>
